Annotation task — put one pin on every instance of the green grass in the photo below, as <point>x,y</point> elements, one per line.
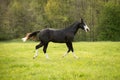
<point>97,61</point>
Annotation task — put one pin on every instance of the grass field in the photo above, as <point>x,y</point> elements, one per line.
<point>97,61</point>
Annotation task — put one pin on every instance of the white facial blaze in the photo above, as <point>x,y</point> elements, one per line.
<point>86,28</point>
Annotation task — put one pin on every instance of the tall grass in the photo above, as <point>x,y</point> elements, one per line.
<point>97,61</point>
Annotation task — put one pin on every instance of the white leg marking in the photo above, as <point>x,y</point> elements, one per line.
<point>74,55</point>
<point>46,55</point>
<point>36,54</point>
<point>65,54</point>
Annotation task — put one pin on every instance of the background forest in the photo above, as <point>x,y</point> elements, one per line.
<point>18,17</point>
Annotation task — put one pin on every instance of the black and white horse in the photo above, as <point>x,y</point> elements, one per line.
<point>65,35</point>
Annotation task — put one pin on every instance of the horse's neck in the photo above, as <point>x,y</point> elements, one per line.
<point>74,28</point>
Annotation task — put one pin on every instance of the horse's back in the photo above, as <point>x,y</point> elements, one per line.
<point>44,35</point>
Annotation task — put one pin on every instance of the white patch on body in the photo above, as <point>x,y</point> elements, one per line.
<point>86,28</point>
<point>24,39</point>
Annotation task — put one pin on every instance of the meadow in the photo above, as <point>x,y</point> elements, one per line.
<point>97,61</point>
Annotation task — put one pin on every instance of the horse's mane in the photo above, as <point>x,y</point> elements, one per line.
<point>72,25</point>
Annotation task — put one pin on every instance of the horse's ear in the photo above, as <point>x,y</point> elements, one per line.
<point>81,20</point>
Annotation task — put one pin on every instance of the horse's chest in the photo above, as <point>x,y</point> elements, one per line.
<point>70,35</point>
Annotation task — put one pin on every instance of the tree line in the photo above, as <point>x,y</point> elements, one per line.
<point>18,17</point>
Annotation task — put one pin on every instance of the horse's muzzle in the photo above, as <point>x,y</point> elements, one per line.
<point>87,29</point>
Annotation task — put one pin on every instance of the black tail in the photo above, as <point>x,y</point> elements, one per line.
<point>32,35</point>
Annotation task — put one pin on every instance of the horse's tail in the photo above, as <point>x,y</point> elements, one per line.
<point>32,35</point>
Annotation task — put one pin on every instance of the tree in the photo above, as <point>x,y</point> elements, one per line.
<point>3,22</point>
<point>18,17</point>
<point>109,27</point>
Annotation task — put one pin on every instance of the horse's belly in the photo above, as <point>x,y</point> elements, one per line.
<point>58,41</point>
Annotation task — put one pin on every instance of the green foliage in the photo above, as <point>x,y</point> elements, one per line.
<point>110,21</point>
<point>16,21</point>
<point>97,61</point>
<point>18,17</point>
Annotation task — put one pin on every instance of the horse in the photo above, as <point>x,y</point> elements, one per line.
<point>65,35</point>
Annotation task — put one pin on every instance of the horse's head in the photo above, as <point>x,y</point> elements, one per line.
<point>84,26</point>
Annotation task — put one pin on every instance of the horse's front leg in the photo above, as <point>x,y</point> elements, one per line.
<point>68,50</point>
<point>37,47</point>
<point>71,48</point>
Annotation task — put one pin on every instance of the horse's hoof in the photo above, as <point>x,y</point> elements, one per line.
<point>76,57</point>
<point>33,57</point>
<point>63,56</point>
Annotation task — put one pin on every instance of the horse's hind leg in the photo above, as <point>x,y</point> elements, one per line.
<point>37,47</point>
<point>45,49</point>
